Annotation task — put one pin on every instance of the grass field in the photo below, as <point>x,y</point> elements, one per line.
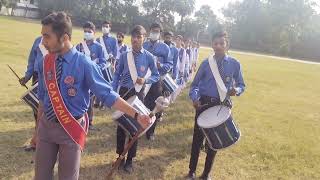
<point>279,117</point>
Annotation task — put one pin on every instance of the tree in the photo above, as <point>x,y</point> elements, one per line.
<point>183,8</point>
<point>159,11</point>
<point>206,20</point>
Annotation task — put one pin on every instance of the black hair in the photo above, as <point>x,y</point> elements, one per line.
<point>60,23</point>
<point>107,22</point>
<point>121,34</point>
<point>220,34</point>
<point>138,30</point>
<point>168,33</point>
<point>156,25</point>
<point>89,25</point>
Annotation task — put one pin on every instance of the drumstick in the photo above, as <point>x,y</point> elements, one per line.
<point>225,100</point>
<point>16,75</point>
<point>124,95</point>
<point>116,164</point>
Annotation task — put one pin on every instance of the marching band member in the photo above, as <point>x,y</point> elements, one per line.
<point>131,72</point>
<point>95,52</point>
<point>108,42</point>
<point>121,47</point>
<point>168,35</point>
<point>65,78</point>
<point>204,93</point>
<point>195,52</point>
<point>109,45</point>
<point>180,66</point>
<point>164,64</point>
<point>182,58</point>
<point>187,73</point>
<point>37,53</point>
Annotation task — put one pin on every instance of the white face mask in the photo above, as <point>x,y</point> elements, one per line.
<point>105,30</point>
<point>88,36</point>
<point>154,36</point>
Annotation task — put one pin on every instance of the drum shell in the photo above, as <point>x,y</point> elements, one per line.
<point>223,136</point>
<point>107,74</point>
<point>31,97</point>
<point>130,125</point>
<point>169,84</point>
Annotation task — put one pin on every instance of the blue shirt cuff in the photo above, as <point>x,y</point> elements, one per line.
<point>111,99</point>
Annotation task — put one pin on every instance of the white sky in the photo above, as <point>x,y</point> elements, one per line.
<point>216,6</point>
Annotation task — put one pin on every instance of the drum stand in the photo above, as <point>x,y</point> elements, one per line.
<point>161,103</point>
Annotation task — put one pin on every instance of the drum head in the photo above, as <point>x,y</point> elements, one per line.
<point>130,101</point>
<point>29,90</point>
<point>213,116</point>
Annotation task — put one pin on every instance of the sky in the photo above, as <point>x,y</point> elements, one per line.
<point>215,5</point>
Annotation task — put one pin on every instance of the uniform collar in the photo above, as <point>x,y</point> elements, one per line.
<point>139,52</point>
<point>106,35</point>
<point>69,55</point>
<point>225,58</point>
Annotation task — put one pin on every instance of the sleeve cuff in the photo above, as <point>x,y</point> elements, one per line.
<point>111,99</point>
<point>239,91</point>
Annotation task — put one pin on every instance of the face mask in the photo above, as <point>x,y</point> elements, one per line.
<point>88,36</point>
<point>105,30</point>
<point>154,36</point>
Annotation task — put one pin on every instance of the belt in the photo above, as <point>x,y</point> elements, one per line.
<point>213,101</point>
<point>76,117</point>
<point>209,100</point>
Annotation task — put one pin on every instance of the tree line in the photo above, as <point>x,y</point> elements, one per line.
<point>280,27</point>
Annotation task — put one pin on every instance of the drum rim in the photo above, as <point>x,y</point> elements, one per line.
<point>117,114</point>
<point>224,148</point>
<point>29,90</point>
<point>142,133</point>
<point>218,124</point>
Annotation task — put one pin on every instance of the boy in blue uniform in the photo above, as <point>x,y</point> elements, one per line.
<point>144,61</point>
<point>121,47</point>
<point>95,52</point>
<point>37,53</point>
<point>108,42</point>
<point>65,78</point>
<point>168,35</point>
<point>164,63</point>
<point>204,94</point>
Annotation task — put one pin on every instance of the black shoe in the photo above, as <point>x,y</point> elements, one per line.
<point>191,176</point>
<point>128,167</point>
<point>29,148</point>
<point>205,177</point>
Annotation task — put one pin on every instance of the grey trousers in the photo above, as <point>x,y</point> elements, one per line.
<point>54,142</point>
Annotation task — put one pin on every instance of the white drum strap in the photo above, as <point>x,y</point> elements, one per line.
<point>220,84</point>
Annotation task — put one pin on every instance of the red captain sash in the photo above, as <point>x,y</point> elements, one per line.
<point>74,129</point>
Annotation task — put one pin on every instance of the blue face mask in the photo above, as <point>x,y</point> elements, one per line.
<point>88,36</point>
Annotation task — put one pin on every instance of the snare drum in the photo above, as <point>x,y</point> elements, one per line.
<point>130,125</point>
<point>107,72</point>
<point>169,85</point>
<point>31,97</point>
<point>218,127</point>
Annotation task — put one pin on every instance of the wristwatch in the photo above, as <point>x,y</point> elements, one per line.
<point>136,116</point>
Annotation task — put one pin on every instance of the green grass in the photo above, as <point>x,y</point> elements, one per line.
<point>278,116</point>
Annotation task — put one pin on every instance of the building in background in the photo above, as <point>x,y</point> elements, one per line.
<point>23,8</point>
